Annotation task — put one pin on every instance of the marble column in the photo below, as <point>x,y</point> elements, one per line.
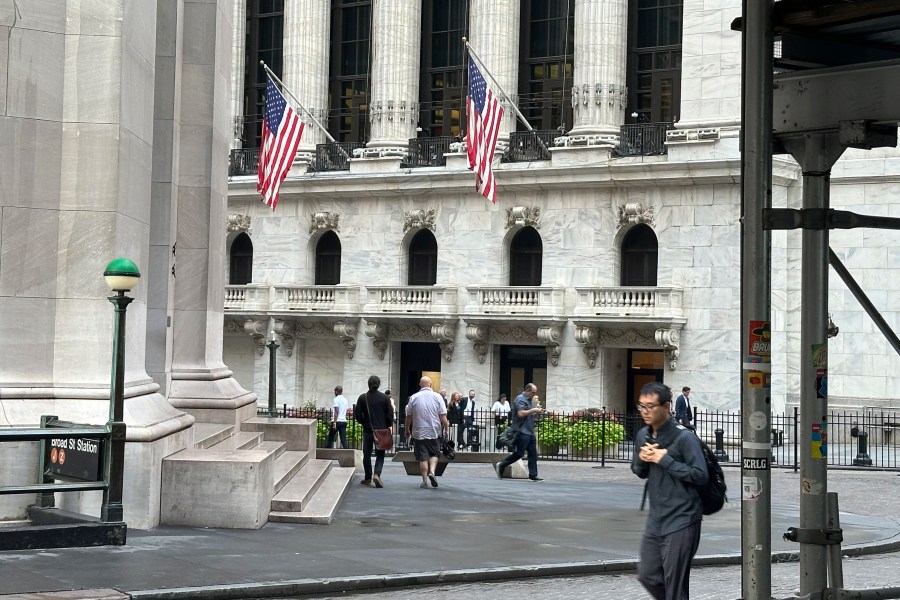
<point>494,35</point>
<point>599,94</point>
<point>394,107</point>
<point>201,384</point>
<point>238,50</point>
<point>306,55</point>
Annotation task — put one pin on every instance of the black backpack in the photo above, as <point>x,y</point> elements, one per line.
<point>713,495</point>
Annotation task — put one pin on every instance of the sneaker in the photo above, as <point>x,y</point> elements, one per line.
<point>423,485</point>
<point>376,479</point>
<point>433,480</point>
<point>366,482</point>
<point>536,478</point>
<point>499,471</point>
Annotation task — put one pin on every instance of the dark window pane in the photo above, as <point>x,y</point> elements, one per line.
<point>240,270</point>
<point>328,259</point>
<point>525,258</point>
<point>422,259</point>
<point>639,257</point>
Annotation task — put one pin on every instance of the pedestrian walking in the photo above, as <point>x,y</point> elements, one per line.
<point>525,413</point>
<point>670,459</point>
<point>426,423</point>
<point>373,411</point>
<point>684,414</point>
<point>338,418</point>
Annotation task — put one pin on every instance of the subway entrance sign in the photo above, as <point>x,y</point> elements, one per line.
<point>78,458</point>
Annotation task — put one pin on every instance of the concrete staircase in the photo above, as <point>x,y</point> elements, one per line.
<point>246,474</point>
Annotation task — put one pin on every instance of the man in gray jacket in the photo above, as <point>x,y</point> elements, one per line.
<point>669,457</point>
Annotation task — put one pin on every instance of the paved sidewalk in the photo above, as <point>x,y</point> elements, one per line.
<point>473,528</point>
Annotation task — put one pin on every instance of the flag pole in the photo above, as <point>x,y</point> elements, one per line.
<point>276,79</point>
<point>497,85</point>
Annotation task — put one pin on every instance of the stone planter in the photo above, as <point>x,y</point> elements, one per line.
<point>548,449</point>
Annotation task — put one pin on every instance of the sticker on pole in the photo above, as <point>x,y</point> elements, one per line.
<point>751,488</point>
<point>760,342</point>
<point>819,442</point>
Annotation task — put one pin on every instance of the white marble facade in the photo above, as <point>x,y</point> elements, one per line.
<point>693,192</point>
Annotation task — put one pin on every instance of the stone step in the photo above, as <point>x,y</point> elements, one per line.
<point>210,434</point>
<point>298,434</point>
<point>324,503</point>
<point>241,440</point>
<point>297,492</point>
<point>287,465</point>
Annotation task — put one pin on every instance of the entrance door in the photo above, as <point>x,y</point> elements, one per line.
<point>644,366</point>
<point>520,365</point>
<point>416,359</point>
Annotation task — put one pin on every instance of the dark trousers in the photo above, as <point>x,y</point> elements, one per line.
<point>341,429</point>
<point>368,446</point>
<point>665,562</point>
<point>524,443</point>
<point>461,430</point>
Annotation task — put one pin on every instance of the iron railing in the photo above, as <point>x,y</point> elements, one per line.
<point>429,151</point>
<point>335,156</point>
<point>243,161</point>
<point>642,139</point>
<point>526,146</point>
<point>580,435</point>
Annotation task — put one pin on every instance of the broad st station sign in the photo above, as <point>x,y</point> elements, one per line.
<point>75,458</point>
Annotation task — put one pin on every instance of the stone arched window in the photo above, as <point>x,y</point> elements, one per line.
<point>422,259</point>
<point>525,258</point>
<point>240,261</point>
<point>328,259</point>
<point>640,252</point>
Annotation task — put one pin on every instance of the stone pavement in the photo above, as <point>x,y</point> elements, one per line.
<point>471,530</point>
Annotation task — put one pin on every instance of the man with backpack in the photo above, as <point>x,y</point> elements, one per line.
<point>671,459</point>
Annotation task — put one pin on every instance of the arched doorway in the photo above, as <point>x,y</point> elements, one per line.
<point>525,258</point>
<point>422,259</point>
<point>640,251</point>
<point>328,259</point>
<point>240,261</point>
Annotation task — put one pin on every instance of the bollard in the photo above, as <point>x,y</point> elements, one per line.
<point>719,452</point>
<point>862,454</point>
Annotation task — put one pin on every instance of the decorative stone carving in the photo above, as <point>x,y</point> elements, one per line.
<point>633,212</point>
<point>445,334</point>
<point>314,329</point>
<point>378,332</point>
<point>669,339</point>
<point>523,216</point>
<point>589,337</point>
<point>234,326</point>
<point>418,218</point>
<point>238,224</point>
<point>478,334</point>
<point>347,333</point>
<point>626,338</point>
<point>550,335</point>
<point>257,330</point>
<point>513,335</point>
<point>286,330</point>
<point>410,332</point>
<point>325,220</point>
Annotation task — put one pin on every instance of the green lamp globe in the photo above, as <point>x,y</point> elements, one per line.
<point>121,275</point>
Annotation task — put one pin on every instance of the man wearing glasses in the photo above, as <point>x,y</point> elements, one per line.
<point>669,457</point>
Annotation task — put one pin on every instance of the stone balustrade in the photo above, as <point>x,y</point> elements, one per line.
<point>505,300</point>
<point>426,299</point>
<point>316,298</point>
<point>628,301</point>
<point>250,297</point>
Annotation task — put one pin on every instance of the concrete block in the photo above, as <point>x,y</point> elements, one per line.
<point>345,457</point>
<point>298,434</point>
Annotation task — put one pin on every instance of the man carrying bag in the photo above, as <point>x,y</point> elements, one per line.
<point>373,411</point>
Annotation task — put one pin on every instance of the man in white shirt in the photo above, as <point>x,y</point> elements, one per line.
<point>338,418</point>
<point>426,422</point>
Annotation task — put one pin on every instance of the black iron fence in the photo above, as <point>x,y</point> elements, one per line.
<point>526,146</point>
<point>642,139</point>
<point>866,439</point>
<point>243,161</point>
<point>429,151</point>
<point>335,156</point>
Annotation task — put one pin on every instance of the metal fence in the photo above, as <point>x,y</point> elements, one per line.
<point>642,139</point>
<point>335,157</point>
<point>243,161</point>
<point>868,438</point>
<point>429,151</point>
<point>526,146</point>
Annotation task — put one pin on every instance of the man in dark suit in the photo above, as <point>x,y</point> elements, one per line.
<point>683,412</point>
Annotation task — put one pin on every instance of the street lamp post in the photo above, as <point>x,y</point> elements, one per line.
<point>121,275</point>
<point>272,346</point>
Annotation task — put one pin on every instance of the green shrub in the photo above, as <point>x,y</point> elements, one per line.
<point>354,432</point>
<point>595,434</point>
<point>552,429</point>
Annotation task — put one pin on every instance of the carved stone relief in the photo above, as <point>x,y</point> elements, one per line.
<point>347,333</point>
<point>418,218</point>
<point>522,216</point>
<point>378,332</point>
<point>286,330</point>
<point>588,336</point>
<point>238,224</point>
<point>257,330</point>
<point>445,334</point>
<point>479,335</point>
<point>325,220</point>
<point>633,212</point>
<point>550,335</point>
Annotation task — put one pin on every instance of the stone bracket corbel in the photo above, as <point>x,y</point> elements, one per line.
<point>550,336</point>
<point>379,334</point>
<point>286,330</point>
<point>445,334</point>
<point>257,330</point>
<point>669,340</point>
<point>479,335</point>
<point>347,333</point>
<point>590,337</point>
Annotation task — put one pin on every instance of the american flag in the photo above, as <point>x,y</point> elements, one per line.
<point>484,115</point>
<point>281,131</point>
